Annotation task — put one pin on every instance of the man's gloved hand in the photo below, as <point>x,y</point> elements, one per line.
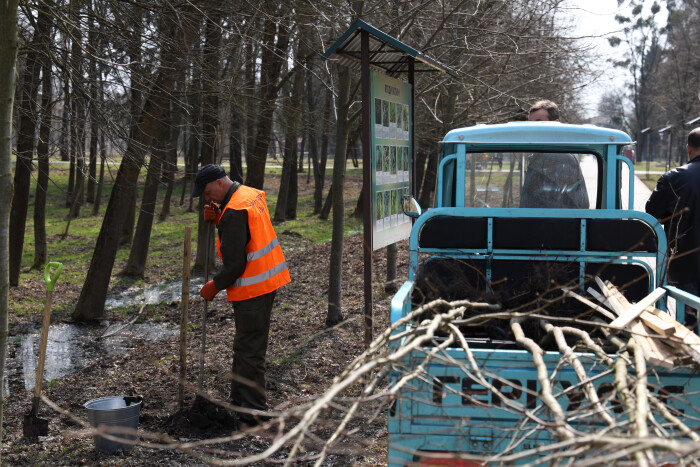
<point>212,212</point>
<point>209,291</point>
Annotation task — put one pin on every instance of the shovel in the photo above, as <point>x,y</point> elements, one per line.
<point>205,413</point>
<point>33,425</point>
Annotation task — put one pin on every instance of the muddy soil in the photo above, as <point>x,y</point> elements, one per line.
<point>303,358</point>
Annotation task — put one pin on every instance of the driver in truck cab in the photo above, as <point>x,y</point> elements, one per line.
<point>552,180</point>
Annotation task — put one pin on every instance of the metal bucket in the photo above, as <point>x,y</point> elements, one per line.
<point>119,411</point>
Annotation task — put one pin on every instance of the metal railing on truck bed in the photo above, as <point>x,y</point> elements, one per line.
<point>482,397</point>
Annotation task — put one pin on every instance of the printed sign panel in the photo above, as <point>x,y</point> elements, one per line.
<point>391,163</point>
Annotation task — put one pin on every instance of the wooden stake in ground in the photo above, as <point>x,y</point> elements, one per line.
<point>183,316</point>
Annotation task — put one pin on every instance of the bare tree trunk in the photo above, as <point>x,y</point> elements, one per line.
<point>26,142</point>
<point>429,181</point>
<point>251,54</point>
<point>293,190</point>
<point>69,151</point>
<point>335,296</point>
<point>65,122</point>
<point>75,207</point>
<point>189,149</point>
<point>211,57</point>
<point>326,210</point>
<point>300,169</point>
<point>94,48</point>
<point>194,93</point>
<point>136,264</point>
<point>77,111</point>
<point>92,164</point>
<point>359,206</point>
<point>8,59</point>
<point>77,116</point>
<point>276,40</point>
<point>236,146</point>
<point>77,145</point>
<point>421,158</point>
<point>320,164</point>
<point>170,162</point>
<point>90,304</point>
<point>103,157</point>
<point>289,158</point>
<point>136,98</point>
<point>280,208</point>
<point>193,147</point>
<point>193,151</point>
<point>42,182</point>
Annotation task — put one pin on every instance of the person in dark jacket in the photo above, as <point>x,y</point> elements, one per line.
<point>253,269</point>
<point>552,180</point>
<point>675,202</point>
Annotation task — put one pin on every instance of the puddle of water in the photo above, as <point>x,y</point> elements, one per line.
<point>167,292</point>
<point>71,347</point>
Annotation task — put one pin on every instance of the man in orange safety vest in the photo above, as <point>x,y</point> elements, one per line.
<point>253,269</point>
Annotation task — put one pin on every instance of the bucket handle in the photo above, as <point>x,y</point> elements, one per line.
<point>50,281</point>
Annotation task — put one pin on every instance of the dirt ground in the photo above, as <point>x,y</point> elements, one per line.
<point>303,358</point>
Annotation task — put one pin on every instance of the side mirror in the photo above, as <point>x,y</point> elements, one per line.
<point>410,206</point>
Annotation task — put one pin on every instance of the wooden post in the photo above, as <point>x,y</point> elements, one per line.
<point>183,316</point>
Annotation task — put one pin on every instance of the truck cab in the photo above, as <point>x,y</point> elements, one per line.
<point>531,165</point>
<point>523,211</point>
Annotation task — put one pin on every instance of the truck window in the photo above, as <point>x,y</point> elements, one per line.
<point>531,180</point>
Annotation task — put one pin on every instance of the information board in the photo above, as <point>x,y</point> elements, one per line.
<point>392,158</point>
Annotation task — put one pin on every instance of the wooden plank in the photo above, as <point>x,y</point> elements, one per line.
<point>610,299</point>
<point>570,293</point>
<point>654,322</point>
<point>635,310</point>
<point>657,324</point>
<point>654,352</point>
<point>684,335</point>
<point>595,294</point>
<point>617,294</point>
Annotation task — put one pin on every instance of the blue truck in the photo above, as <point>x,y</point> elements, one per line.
<point>523,213</point>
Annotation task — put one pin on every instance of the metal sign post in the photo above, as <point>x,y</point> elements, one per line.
<point>366,187</point>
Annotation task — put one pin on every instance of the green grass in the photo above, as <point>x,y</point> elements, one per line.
<point>312,228</point>
<point>289,360</point>
<point>654,166</point>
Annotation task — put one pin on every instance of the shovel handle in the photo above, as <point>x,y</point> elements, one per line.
<point>50,281</point>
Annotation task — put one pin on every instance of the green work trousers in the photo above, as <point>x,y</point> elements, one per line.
<point>252,318</point>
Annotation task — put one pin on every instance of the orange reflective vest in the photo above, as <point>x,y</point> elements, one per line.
<point>266,269</point>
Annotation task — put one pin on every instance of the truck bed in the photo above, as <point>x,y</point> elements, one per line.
<point>484,398</point>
